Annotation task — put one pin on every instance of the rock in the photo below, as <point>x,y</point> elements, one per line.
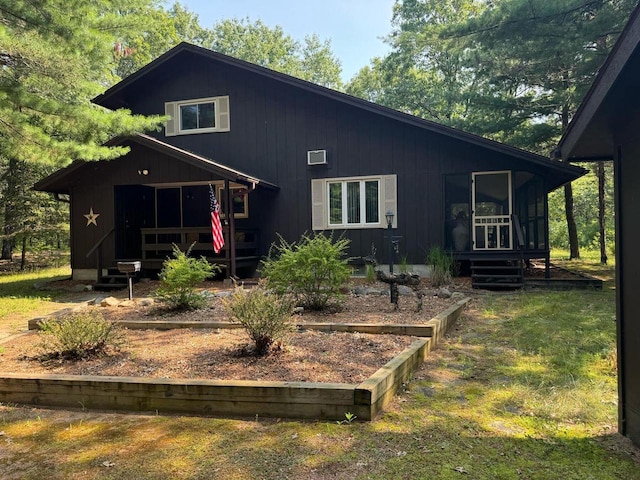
<point>457,295</point>
<point>359,291</point>
<point>207,294</point>
<point>444,293</point>
<point>109,302</point>
<point>146,302</point>
<point>298,310</point>
<point>127,303</point>
<point>80,287</point>
<point>223,294</point>
<point>405,291</point>
<point>41,286</point>
<point>95,301</point>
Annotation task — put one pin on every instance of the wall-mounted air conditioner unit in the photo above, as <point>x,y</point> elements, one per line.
<point>317,157</point>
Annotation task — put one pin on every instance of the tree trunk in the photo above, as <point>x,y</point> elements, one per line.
<point>23,257</point>
<point>572,229</point>
<point>601,212</point>
<point>574,249</point>
<point>9,198</point>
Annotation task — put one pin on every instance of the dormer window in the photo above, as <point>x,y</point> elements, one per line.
<point>198,116</point>
<point>201,115</point>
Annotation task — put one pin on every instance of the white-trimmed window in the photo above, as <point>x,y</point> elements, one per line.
<point>354,202</point>
<point>200,115</point>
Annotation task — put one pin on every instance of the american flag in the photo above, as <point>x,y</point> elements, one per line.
<point>216,226</point>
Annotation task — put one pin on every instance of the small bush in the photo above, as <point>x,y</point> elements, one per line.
<point>179,277</point>
<point>266,317</point>
<point>443,266</point>
<point>79,335</point>
<point>312,270</point>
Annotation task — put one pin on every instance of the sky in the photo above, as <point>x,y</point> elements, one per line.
<point>354,27</point>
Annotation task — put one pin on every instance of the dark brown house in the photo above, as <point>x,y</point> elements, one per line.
<point>606,127</point>
<point>289,156</point>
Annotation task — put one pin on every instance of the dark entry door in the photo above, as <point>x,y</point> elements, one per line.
<point>134,209</point>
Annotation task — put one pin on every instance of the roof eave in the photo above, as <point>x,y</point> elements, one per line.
<point>622,51</point>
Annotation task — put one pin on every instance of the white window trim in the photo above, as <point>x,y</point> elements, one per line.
<point>362,200</point>
<point>387,200</point>
<point>221,119</point>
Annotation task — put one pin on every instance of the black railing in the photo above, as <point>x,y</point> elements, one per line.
<point>98,248</point>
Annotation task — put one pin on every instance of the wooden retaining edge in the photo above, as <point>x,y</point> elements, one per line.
<point>414,330</point>
<point>231,398</point>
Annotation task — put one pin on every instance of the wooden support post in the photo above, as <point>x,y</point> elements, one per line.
<point>232,229</point>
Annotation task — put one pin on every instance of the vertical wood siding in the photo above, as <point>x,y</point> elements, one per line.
<point>273,125</point>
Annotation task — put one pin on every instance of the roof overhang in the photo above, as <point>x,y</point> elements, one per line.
<point>60,181</point>
<point>610,104</point>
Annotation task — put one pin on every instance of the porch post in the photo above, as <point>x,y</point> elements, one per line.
<point>232,228</point>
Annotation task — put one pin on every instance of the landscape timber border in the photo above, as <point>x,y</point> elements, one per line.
<point>304,400</point>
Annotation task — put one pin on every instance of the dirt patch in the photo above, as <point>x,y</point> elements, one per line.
<point>307,356</point>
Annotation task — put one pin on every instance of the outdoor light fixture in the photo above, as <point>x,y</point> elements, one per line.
<point>143,172</point>
<point>389,217</point>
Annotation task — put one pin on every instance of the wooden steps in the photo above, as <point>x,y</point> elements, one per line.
<point>497,274</point>
<point>113,280</point>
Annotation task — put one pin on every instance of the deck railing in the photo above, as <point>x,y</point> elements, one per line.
<point>157,244</point>
<point>97,248</point>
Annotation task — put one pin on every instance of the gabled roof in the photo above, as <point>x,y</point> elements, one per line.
<point>590,133</point>
<point>113,99</point>
<point>58,182</point>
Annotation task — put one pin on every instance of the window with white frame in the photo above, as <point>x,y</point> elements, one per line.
<point>201,115</point>
<point>355,202</point>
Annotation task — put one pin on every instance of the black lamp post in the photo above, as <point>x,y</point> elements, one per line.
<point>389,217</point>
<point>393,288</point>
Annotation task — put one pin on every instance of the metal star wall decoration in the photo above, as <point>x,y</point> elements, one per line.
<point>91,217</point>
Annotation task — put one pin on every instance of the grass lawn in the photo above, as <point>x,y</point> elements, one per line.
<point>523,387</point>
<point>20,301</point>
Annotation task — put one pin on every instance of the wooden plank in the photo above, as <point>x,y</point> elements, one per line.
<point>178,389</point>
<point>393,374</point>
<point>413,330</point>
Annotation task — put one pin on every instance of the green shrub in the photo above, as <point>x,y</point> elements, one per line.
<point>443,266</point>
<point>266,317</point>
<point>313,270</point>
<point>179,277</point>
<point>370,273</point>
<point>79,335</point>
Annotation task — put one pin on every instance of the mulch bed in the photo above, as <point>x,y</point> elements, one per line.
<point>306,356</point>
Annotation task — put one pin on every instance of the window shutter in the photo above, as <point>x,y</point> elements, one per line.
<point>390,197</point>
<point>318,217</point>
<point>224,124</point>
<point>171,127</point>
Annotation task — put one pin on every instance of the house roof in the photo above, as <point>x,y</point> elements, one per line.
<point>590,133</point>
<point>113,98</point>
<point>58,182</point>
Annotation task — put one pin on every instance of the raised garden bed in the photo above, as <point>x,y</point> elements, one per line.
<point>297,399</point>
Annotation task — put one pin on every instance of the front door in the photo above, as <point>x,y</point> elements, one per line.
<point>134,209</point>
<point>491,214</point>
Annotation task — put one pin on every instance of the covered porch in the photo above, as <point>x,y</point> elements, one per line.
<point>156,196</point>
<point>496,222</point>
